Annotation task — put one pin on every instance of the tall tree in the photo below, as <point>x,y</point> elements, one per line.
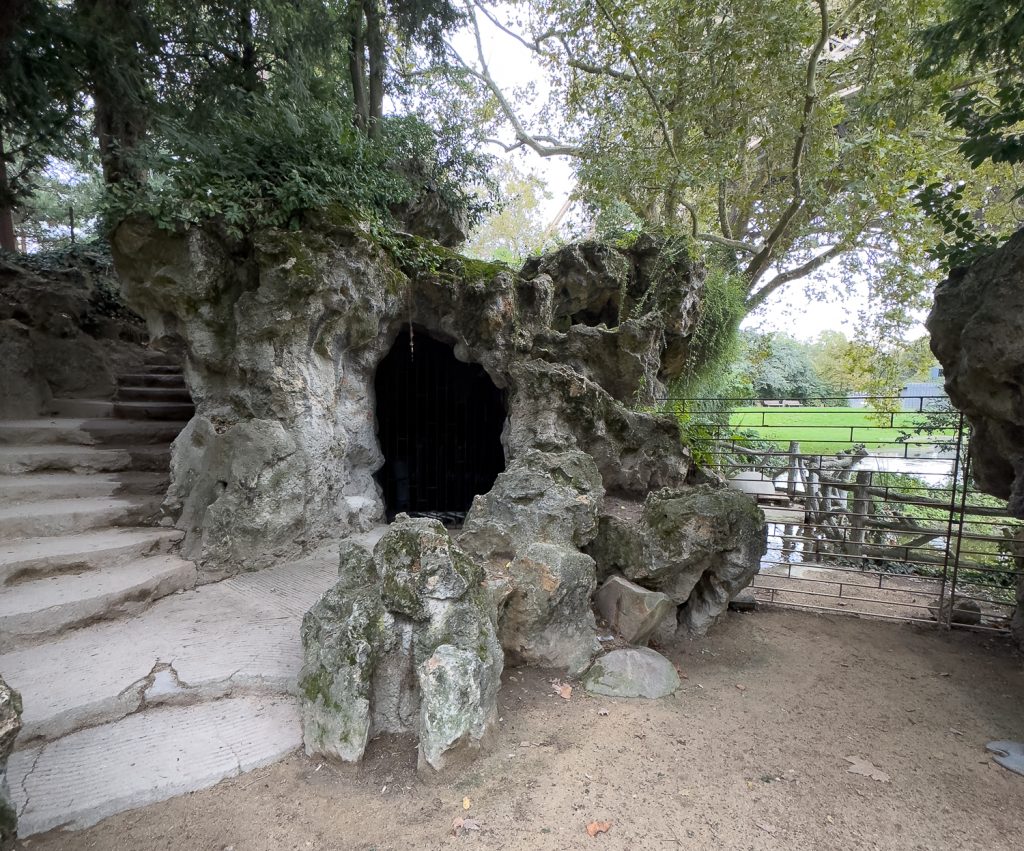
<point>41,105</point>
<point>784,134</point>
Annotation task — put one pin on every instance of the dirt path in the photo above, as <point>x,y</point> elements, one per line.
<point>749,754</point>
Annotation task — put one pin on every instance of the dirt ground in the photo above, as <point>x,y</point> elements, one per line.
<point>749,754</point>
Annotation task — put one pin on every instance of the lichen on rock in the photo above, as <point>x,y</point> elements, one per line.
<point>406,642</point>
<point>700,546</point>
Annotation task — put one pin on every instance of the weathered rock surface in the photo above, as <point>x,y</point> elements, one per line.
<point>10,724</point>
<point>528,529</point>
<point>631,610</point>
<point>283,335</point>
<point>700,546</point>
<point>542,497</point>
<point>406,642</point>
<point>64,331</point>
<point>977,333</point>
<point>632,672</point>
<point>547,619</point>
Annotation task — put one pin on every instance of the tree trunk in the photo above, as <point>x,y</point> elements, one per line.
<point>118,75</point>
<point>7,241</point>
<point>377,65</point>
<point>360,105</point>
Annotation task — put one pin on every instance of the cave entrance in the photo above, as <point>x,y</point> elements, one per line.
<point>439,423</point>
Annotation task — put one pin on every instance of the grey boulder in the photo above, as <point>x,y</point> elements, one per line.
<point>632,672</point>
<point>631,610</point>
<point>699,546</point>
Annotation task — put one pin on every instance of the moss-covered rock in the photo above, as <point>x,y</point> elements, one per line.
<point>700,546</point>
<point>406,642</point>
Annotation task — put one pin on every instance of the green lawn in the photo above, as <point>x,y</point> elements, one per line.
<point>828,430</point>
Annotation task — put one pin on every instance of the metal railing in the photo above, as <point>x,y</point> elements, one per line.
<point>870,510</point>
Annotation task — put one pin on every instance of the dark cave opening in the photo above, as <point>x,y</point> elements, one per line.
<point>439,424</point>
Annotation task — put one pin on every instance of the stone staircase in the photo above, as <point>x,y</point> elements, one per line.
<point>137,686</point>
<point>80,492</point>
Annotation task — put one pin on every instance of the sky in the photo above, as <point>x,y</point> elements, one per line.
<point>789,311</point>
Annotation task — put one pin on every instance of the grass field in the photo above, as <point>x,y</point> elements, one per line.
<point>828,430</point>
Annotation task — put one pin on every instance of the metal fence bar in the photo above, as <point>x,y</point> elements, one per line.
<point>871,506</point>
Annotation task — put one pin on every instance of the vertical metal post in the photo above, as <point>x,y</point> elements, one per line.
<point>71,218</point>
<point>949,526</point>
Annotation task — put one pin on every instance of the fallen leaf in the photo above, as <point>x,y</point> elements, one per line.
<point>741,687</point>
<point>470,824</point>
<point>767,828</point>
<point>457,826</point>
<point>596,827</point>
<point>866,769</point>
<point>564,690</point>
<point>466,803</point>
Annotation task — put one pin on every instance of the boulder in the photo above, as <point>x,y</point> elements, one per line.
<point>10,725</point>
<point>631,610</point>
<point>632,672</point>
<point>547,619</point>
<point>405,642</point>
<point>545,497</point>
<point>699,546</point>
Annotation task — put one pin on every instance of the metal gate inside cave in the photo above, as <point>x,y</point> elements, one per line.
<point>439,423</point>
<point>869,505</point>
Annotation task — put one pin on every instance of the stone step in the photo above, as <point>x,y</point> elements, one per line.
<point>148,757</point>
<point>152,379</point>
<point>88,432</point>
<point>35,487</point>
<point>69,516</point>
<point>32,558</point>
<point>131,410</point>
<point>36,609</point>
<point>19,459</point>
<point>163,369</point>
<point>235,636</point>
<point>152,394</point>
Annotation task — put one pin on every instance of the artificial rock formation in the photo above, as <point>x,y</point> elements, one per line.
<point>633,611</point>
<point>699,546</point>
<point>10,724</point>
<point>406,642</point>
<point>283,334</point>
<point>977,333</point>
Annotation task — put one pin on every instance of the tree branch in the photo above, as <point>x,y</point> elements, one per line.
<point>536,46</point>
<point>757,297</point>
<point>544,146</point>
<point>759,264</point>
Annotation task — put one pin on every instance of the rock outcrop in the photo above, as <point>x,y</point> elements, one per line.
<point>406,642</point>
<point>64,331</point>
<point>283,335</point>
<point>977,333</point>
<point>699,546</point>
<point>10,724</point>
